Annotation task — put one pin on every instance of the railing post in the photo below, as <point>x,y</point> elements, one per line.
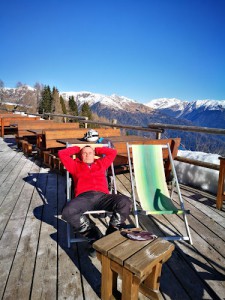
<point>85,124</point>
<point>221,184</point>
<point>114,121</point>
<point>158,135</point>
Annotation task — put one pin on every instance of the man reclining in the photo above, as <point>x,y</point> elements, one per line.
<point>91,188</point>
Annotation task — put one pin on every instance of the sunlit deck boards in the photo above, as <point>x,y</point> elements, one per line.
<point>36,264</point>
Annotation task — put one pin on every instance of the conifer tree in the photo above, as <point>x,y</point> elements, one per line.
<point>63,105</point>
<point>86,111</point>
<point>73,108</point>
<point>56,106</point>
<point>46,100</point>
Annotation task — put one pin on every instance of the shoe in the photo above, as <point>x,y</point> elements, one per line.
<point>92,252</point>
<point>85,224</point>
<point>112,228</point>
<point>93,234</point>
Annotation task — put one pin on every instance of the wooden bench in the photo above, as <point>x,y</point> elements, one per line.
<point>51,145</point>
<point>6,114</point>
<point>138,263</point>
<point>13,120</point>
<point>121,160</point>
<point>27,138</point>
<point>23,133</point>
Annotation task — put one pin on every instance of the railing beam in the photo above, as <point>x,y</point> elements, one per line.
<point>187,128</point>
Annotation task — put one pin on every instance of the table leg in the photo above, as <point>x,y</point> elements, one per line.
<point>130,285</point>
<point>153,280</point>
<point>109,279</point>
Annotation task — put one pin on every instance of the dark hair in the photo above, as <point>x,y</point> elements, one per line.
<point>86,146</point>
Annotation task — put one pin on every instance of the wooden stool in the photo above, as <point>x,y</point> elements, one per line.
<point>138,263</point>
<point>220,190</point>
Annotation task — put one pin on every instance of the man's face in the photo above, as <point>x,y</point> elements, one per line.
<point>87,155</point>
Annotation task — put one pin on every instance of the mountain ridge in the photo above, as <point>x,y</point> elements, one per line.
<point>127,111</point>
<point>207,113</point>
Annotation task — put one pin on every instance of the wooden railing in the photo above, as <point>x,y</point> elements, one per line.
<point>113,124</point>
<point>198,163</point>
<point>187,128</point>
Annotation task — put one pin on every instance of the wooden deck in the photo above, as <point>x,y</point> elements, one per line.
<point>36,264</point>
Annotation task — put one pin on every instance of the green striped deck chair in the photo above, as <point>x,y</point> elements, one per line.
<point>148,177</point>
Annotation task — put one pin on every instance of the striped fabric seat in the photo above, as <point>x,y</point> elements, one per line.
<point>151,183</point>
<point>148,182</point>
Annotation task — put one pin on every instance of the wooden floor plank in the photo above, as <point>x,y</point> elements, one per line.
<point>10,177</point>
<point>45,273</point>
<point>10,200</point>
<point>6,158</point>
<point>211,270</point>
<point>14,227</point>
<point>24,262</point>
<point>69,277</point>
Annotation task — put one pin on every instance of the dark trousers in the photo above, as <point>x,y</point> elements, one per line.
<point>120,205</point>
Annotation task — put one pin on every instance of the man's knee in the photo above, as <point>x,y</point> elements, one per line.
<point>125,202</point>
<point>71,215</point>
<point>65,213</point>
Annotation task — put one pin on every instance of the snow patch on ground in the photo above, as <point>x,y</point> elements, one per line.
<point>199,177</point>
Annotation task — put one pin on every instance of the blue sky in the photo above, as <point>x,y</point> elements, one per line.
<point>141,49</point>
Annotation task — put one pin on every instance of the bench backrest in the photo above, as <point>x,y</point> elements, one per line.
<point>174,144</point>
<point>45,125</point>
<point>6,114</point>
<point>15,119</point>
<point>8,120</point>
<point>50,137</point>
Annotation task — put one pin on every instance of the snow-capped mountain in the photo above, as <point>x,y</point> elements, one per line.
<point>130,112</point>
<point>209,113</point>
<point>127,111</point>
<point>162,103</point>
<point>117,102</point>
<point>124,110</point>
<point>17,94</point>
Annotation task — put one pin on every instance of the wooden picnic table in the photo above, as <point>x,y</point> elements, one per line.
<point>38,133</point>
<point>113,139</point>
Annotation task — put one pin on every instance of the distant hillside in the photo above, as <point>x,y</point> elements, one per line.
<point>131,112</point>
<point>24,97</point>
<point>206,113</point>
<point>128,111</point>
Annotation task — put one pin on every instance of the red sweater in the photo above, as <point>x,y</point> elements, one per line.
<point>87,178</point>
